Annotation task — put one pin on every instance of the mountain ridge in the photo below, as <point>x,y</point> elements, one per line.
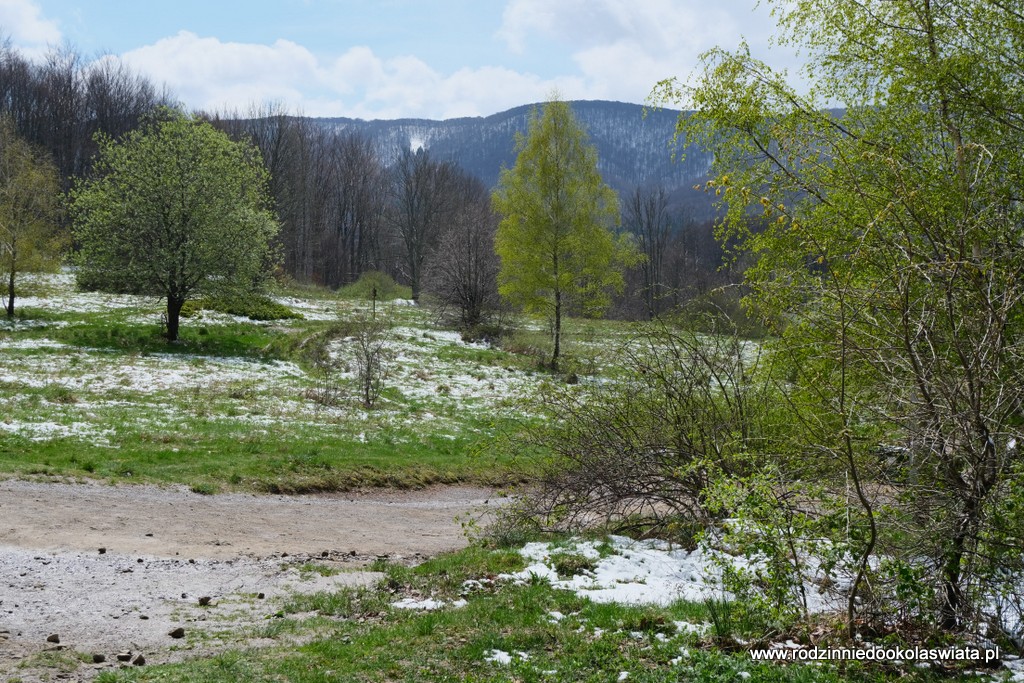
<point>634,145</point>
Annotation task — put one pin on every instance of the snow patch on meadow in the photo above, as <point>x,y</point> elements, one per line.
<point>85,370</point>
<point>634,572</point>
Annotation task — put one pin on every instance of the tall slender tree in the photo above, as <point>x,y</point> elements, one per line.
<point>556,239</point>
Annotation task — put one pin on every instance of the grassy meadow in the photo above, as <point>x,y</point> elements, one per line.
<point>90,389</point>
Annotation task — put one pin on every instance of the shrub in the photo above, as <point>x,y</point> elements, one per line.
<point>641,450</point>
<point>375,281</point>
<point>254,307</point>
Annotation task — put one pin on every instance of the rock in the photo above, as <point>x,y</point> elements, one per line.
<point>139,661</point>
<point>204,601</point>
<point>260,596</point>
<point>98,658</point>
<point>53,638</point>
<point>124,656</point>
<point>177,633</point>
<point>325,554</point>
<point>140,560</point>
<point>144,617</point>
<point>103,551</point>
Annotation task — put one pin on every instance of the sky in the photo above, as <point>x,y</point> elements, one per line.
<point>394,58</point>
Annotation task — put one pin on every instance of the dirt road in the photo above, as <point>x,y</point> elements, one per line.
<point>112,569</point>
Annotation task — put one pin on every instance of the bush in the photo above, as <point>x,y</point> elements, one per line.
<point>489,333</point>
<point>721,309</point>
<point>375,281</point>
<point>254,307</point>
<point>642,450</point>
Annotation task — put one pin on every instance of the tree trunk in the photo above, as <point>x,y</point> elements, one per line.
<point>952,593</point>
<point>558,330</point>
<point>10,295</point>
<point>174,305</point>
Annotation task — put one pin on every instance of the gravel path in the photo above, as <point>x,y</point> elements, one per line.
<point>114,569</point>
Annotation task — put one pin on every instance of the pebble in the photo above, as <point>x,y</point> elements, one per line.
<point>177,633</point>
<point>53,638</point>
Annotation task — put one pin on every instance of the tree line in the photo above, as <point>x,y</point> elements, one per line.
<point>59,103</point>
<point>344,206</point>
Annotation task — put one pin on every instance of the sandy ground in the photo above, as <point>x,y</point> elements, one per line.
<point>114,569</point>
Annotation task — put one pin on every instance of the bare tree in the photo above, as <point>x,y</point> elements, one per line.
<point>60,103</point>
<point>352,241</point>
<point>462,271</point>
<point>646,216</point>
<point>423,201</point>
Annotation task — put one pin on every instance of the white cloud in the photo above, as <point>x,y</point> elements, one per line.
<point>208,74</point>
<point>23,22</point>
<point>623,47</point>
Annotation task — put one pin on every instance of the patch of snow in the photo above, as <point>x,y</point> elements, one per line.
<point>46,431</point>
<point>639,572</point>
<point>498,657</point>
<point>1015,667</point>
<point>687,627</point>
<point>427,604</point>
<point>23,344</point>
<point>310,309</point>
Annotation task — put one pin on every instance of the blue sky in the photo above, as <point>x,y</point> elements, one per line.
<point>394,58</point>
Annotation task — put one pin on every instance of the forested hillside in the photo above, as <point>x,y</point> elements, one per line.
<point>633,145</point>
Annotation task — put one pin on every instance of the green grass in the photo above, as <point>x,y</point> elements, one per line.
<point>239,339</point>
<point>265,429</point>
<point>355,635</point>
<point>114,401</point>
<point>210,456</point>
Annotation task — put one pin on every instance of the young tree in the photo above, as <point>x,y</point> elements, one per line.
<point>555,238</point>
<point>174,209</point>
<point>892,260</point>
<point>29,200</point>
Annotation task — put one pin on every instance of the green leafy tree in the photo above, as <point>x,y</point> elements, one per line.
<point>29,205</point>
<point>555,238</point>
<point>891,263</point>
<point>174,209</point>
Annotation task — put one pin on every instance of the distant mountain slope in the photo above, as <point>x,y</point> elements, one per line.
<point>633,146</point>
